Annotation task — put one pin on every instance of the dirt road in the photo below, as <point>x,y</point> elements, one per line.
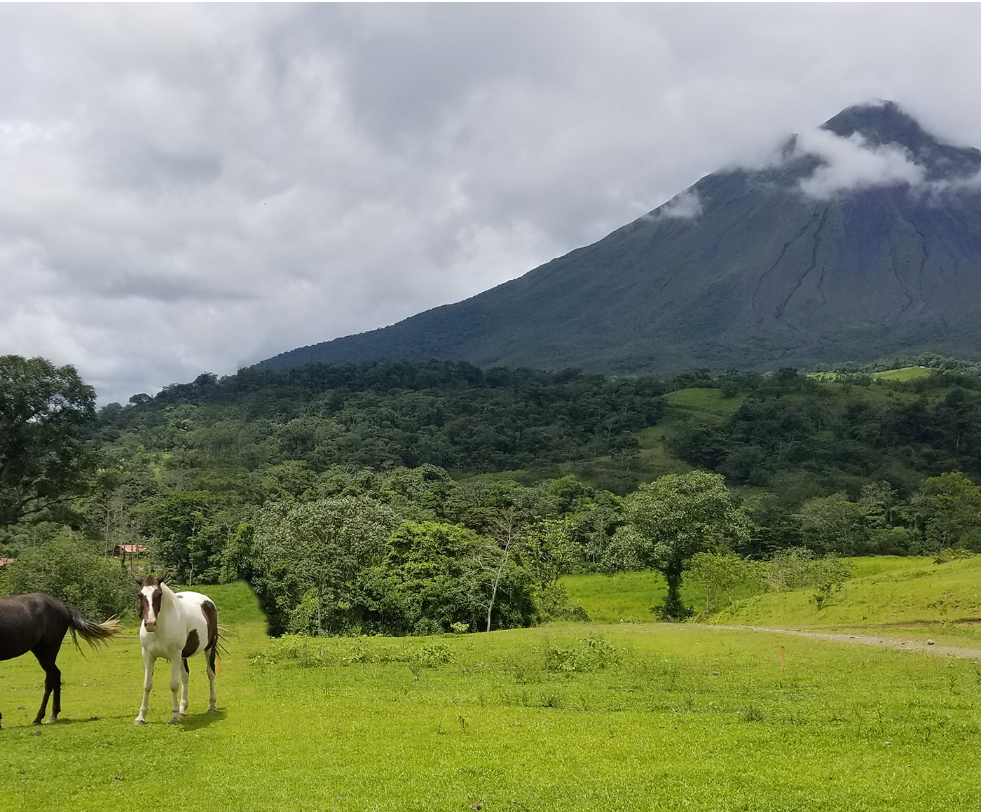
<point>871,640</point>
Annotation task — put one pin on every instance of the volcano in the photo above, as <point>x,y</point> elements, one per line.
<point>858,241</point>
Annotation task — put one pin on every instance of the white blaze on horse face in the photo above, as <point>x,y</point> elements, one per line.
<point>149,615</point>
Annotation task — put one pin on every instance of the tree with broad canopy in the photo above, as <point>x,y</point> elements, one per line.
<point>43,457</point>
<point>672,519</point>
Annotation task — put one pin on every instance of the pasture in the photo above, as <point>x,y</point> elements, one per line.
<point>633,716</point>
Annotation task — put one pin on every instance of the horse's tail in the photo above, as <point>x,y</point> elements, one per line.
<point>92,633</point>
<point>223,635</point>
<point>220,649</point>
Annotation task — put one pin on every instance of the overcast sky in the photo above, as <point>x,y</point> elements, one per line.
<point>188,189</point>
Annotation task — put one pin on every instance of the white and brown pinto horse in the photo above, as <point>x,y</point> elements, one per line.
<point>176,625</point>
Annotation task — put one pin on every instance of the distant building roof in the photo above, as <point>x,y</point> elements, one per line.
<point>129,549</point>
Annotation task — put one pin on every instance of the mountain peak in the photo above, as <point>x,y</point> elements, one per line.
<point>882,122</point>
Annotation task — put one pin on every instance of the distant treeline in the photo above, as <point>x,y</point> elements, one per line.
<point>840,434</point>
<point>453,415</point>
<point>789,434</point>
<point>924,360</point>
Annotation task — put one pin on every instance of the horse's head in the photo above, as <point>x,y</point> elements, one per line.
<point>151,590</point>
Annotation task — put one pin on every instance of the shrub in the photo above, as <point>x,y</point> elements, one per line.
<point>310,652</point>
<point>433,654</point>
<point>70,569</point>
<point>952,554</point>
<point>294,648</point>
<point>587,654</point>
<point>798,568</point>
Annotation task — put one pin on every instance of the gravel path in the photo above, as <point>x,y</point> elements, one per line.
<point>871,640</point>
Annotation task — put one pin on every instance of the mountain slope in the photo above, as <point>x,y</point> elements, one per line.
<point>861,241</point>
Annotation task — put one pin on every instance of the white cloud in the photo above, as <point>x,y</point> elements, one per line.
<point>936,190</point>
<point>852,163</point>
<point>685,206</point>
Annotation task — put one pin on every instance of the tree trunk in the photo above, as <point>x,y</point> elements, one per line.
<point>673,608</point>
<point>497,580</point>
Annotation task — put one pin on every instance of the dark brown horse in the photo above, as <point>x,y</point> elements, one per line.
<point>37,623</point>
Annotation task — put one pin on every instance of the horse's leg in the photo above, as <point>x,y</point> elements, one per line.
<point>185,675</point>
<point>52,684</point>
<point>148,662</point>
<point>210,670</point>
<point>177,675</point>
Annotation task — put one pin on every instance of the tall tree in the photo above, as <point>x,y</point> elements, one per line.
<point>833,524</point>
<point>308,559</point>
<point>43,458</point>
<point>948,509</point>
<point>672,519</point>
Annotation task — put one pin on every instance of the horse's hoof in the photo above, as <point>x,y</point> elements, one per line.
<point>139,722</point>
<point>212,710</point>
<point>36,722</point>
<point>176,720</point>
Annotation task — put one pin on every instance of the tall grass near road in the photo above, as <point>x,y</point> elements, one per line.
<point>574,717</point>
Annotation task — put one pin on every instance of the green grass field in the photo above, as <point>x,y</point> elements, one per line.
<point>632,716</point>
<point>903,374</point>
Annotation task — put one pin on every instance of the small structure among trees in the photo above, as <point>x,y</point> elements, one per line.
<point>123,550</point>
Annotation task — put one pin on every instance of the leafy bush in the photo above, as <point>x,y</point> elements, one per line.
<point>70,569</point>
<point>295,648</point>
<point>798,568</point>
<point>587,654</point>
<point>433,654</point>
<point>310,652</point>
<point>719,574</point>
<point>952,554</point>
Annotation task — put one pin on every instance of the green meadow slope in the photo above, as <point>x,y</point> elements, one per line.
<point>900,598</point>
<point>581,718</point>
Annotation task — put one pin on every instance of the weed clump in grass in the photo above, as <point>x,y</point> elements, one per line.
<point>752,713</point>
<point>311,652</point>
<point>292,648</point>
<point>587,654</point>
<point>433,654</point>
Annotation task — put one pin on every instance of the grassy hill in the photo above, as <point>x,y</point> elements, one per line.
<point>906,598</point>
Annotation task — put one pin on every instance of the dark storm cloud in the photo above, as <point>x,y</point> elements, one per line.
<point>192,187</point>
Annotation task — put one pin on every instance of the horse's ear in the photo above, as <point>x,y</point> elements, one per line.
<point>164,576</point>
<point>138,580</point>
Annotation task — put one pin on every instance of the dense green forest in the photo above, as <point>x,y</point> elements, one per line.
<point>413,498</point>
